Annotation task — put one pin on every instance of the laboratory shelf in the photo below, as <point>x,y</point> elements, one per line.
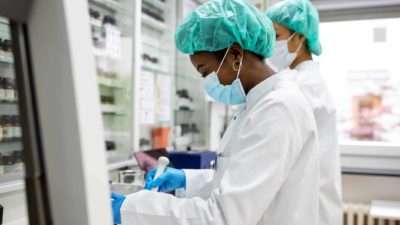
<point>4,21</point>
<point>158,4</point>
<point>186,110</point>
<point>6,59</point>
<point>109,108</point>
<point>10,142</point>
<point>147,68</point>
<point>150,22</point>
<point>8,103</point>
<point>195,77</point>
<point>97,28</point>
<point>110,5</point>
<point>158,48</point>
<point>109,83</point>
<point>114,114</point>
<point>101,53</point>
<point>11,182</point>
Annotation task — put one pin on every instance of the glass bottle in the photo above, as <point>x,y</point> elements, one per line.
<point>17,128</point>
<point>1,128</point>
<point>2,90</point>
<point>18,163</point>
<point>1,165</point>
<point>9,90</point>
<point>7,129</point>
<point>8,162</point>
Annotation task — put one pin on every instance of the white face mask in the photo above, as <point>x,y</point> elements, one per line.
<point>281,57</point>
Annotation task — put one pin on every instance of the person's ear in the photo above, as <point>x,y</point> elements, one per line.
<point>302,39</point>
<point>236,51</point>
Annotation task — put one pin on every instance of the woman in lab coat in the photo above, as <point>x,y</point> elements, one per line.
<point>296,25</point>
<point>267,168</point>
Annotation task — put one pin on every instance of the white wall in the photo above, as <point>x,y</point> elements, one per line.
<point>14,204</point>
<point>364,189</point>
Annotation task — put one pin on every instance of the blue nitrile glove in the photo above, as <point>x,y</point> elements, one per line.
<point>117,201</point>
<point>170,180</point>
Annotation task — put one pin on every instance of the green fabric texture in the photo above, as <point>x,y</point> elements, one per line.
<point>217,24</point>
<point>300,16</point>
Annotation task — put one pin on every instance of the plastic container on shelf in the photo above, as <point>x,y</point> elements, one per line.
<point>9,87</point>
<point>17,127</point>
<point>1,165</point>
<point>9,166</point>
<point>2,90</point>
<point>7,127</point>
<point>1,129</point>
<point>18,162</point>
<point>161,137</point>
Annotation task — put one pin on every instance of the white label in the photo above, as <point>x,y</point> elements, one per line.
<point>8,133</point>
<point>2,94</point>
<point>10,95</point>
<point>17,132</point>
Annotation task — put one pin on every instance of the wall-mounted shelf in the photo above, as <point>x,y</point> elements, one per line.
<point>109,83</point>
<point>108,109</point>
<point>147,68</point>
<point>8,103</point>
<point>193,77</point>
<point>97,28</point>
<point>158,48</point>
<point>158,4</point>
<point>11,182</point>
<point>10,142</point>
<point>113,114</point>
<point>150,22</point>
<point>110,5</point>
<point>6,59</point>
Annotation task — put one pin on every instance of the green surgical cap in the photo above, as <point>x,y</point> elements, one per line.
<point>217,24</point>
<point>300,16</point>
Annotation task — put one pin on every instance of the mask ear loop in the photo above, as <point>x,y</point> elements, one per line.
<point>301,44</point>
<point>223,59</point>
<point>292,36</point>
<point>298,48</point>
<point>240,65</point>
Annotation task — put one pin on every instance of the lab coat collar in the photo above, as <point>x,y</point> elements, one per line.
<point>266,86</point>
<point>306,63</point>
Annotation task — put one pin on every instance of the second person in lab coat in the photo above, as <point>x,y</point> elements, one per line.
<point>296,24</point>
<point>267,168</point>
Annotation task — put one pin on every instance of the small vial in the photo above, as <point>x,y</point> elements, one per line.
<point>2,90</point>
<point>8,131</point>
<point>18,163</point>
<point>1,129</point>
<point>8,161</point>
<point>17,128</point>
<point>9,88</point>
<point>1,165</point>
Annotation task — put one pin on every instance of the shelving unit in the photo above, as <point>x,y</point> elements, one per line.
<point>190,126</point>
<point>112,48</point>
<point>156,68</point>
<point>10,131</point>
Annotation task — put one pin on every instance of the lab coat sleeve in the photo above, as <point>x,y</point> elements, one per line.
<point>199,183</point>
<point>260,161</point>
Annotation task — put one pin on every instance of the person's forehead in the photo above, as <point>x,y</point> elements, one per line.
<point>280,27</point>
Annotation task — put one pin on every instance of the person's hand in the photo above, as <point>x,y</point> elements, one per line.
<point>170,180</point>
<point>117,201</point>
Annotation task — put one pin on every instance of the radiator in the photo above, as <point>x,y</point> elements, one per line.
<point>358,214</point>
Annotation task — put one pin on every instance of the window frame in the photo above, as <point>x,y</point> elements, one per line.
<point>364,157</point>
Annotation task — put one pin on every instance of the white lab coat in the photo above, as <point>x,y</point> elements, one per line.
<point>267,171</point>
<point>313,86</point>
